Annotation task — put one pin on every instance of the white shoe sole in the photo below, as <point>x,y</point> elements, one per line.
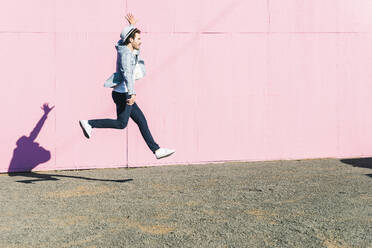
<point>84,131</point>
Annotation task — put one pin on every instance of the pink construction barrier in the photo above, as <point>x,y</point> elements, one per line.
<point>226,80</point>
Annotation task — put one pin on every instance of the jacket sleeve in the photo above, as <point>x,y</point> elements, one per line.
<point>127,72</point>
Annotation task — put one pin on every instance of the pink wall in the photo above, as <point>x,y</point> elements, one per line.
<point>227,80</point>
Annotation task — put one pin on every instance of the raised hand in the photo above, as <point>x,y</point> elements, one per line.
<point>130,19</point>
<point>46,108</point>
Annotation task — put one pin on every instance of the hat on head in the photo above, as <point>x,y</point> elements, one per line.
<point>127,31</point>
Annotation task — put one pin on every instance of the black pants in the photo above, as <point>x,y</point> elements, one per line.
<point>124,111</point>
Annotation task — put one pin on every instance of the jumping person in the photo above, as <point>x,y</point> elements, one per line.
<point>123,93</point>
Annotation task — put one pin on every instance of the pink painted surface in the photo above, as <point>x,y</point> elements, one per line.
<point>226,80</point>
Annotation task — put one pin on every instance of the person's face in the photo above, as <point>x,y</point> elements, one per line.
<point>136,42</point>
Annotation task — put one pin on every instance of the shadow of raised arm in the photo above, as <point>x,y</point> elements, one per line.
<point>35,132</point>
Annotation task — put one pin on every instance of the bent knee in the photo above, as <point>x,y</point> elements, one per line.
<point>122,125</point>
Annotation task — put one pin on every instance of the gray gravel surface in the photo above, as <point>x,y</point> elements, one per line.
<point>306,203</point>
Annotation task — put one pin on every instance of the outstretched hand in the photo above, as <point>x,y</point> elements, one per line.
<point>46,108</point>
<point>130,19</point>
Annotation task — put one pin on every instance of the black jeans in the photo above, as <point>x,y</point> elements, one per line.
<point>124,111</point>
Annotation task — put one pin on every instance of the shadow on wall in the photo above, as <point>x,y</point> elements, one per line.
<point>359,162</point>
<point>28,154</point>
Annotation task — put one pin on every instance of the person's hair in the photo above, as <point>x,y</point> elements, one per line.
<point>132,35</point>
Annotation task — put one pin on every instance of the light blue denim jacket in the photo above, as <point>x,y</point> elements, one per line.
<point>125,64</point>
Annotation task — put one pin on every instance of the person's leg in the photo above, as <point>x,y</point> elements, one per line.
<point>123,111</point>
<point>139,118</point>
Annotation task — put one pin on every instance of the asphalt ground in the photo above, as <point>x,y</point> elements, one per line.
<point>305,203</point>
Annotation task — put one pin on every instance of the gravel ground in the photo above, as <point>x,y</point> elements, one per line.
<point>305,203</point>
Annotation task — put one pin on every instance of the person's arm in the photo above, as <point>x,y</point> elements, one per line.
<point>130,80</point>
<point>132,21</point>
<point>127,72</point>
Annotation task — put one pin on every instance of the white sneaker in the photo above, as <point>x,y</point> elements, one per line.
<point>163,152</point>
<point>87,129</point>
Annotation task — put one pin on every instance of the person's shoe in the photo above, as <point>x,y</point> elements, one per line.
<point>87,129</point>
<point>163,153</point>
